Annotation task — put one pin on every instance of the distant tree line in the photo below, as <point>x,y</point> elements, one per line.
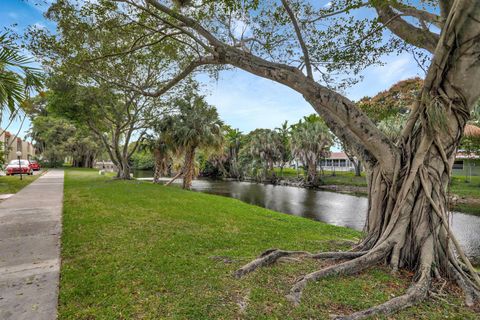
<point>213,149</point>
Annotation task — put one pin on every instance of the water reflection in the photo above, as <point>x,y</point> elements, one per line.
<point>333,208</point>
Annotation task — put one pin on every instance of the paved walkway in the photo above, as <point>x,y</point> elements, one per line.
<point>30,228</point>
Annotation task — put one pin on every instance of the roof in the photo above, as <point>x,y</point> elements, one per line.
<point>337,155</point>
<point>471,131</point>
<point>464,155</point>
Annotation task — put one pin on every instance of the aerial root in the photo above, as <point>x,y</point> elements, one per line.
<point>415,294</point>
<point>273,255</point>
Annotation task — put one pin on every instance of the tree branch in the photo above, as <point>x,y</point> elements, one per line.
<point>167,86</point>
<point>341,115</point>
<point>173,14</point>
<point>298,32</point>
<point>415,36</point>
<point>186,20</point>
<point>445,6</point>
<point>335,13</point>
<point>134,48</point>
<point>419,14</point>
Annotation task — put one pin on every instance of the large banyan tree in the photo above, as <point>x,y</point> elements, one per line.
<point>316,50</point>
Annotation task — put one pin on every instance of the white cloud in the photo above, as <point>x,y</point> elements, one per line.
<point>248,102</point>
<point>393,70</point>
<point>379,78</point>
<point>40,5</point>
<point>239,28</point>
<point>39,25</point>
<point>328,4</point>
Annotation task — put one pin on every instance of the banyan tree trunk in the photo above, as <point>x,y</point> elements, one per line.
<point>409,213</point>
<point>407,224</point>
<point>189,168</point>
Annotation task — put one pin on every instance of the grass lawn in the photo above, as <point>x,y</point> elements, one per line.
<point>288,172</point>
<point>344,178</point>
<point>134,250</point>
<point>468,189</point>
<point>13,184</point>
<point>340,177</point>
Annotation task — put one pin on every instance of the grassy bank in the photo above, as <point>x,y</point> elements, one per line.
<point>134,250</point>
<point>13,184</point>
<point>468,192</point>
<point>329,177</point>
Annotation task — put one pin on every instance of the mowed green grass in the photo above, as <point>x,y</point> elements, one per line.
<point>344,178</point>
<point>469,189</point>
<point>134,250</point>
<point>328,177</point>
<point>13,184</point>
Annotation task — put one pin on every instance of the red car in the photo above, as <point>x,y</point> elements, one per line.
<point>14,167</point>
<point>34,165</point>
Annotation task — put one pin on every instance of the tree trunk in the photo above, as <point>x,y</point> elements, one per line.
<point>189,168</point>
<point>90,161</point>
<point>311,174</point>
<point>123,170</point>
<point>407,223</point>
<point>160,165</point>
<point>357,164</point>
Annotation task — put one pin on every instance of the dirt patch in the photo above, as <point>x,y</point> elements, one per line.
<point>457,200</point>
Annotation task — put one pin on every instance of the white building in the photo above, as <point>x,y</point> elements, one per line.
<point>337,161</point>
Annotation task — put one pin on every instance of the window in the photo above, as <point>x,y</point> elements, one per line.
<point>458,164</point>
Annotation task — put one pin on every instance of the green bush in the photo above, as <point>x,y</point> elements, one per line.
<point>142,161</point>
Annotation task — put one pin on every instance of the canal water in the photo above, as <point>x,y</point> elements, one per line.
<point>330,207</point>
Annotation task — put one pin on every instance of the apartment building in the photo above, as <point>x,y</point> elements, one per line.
<point>12,144</point>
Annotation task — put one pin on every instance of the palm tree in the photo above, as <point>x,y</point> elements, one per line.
<point>392,126</point>
<point>224,162</point>
<point>17,78</point>
<point>195,125</point>
<point>265,145</point>
<point>161,153</point>
<point>233,139</point>
<point>311,141</point>
<point>284,132</point>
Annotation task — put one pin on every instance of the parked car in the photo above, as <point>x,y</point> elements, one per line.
<point>19,166</point>
<point>35,165</point>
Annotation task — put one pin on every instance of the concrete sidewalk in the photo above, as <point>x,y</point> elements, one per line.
<point>30,229</point>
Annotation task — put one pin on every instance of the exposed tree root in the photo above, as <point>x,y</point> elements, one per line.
<point>359,261</point>
<point>273,255</point>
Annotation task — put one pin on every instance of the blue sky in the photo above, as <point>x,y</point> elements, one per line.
<point>244,101</point>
